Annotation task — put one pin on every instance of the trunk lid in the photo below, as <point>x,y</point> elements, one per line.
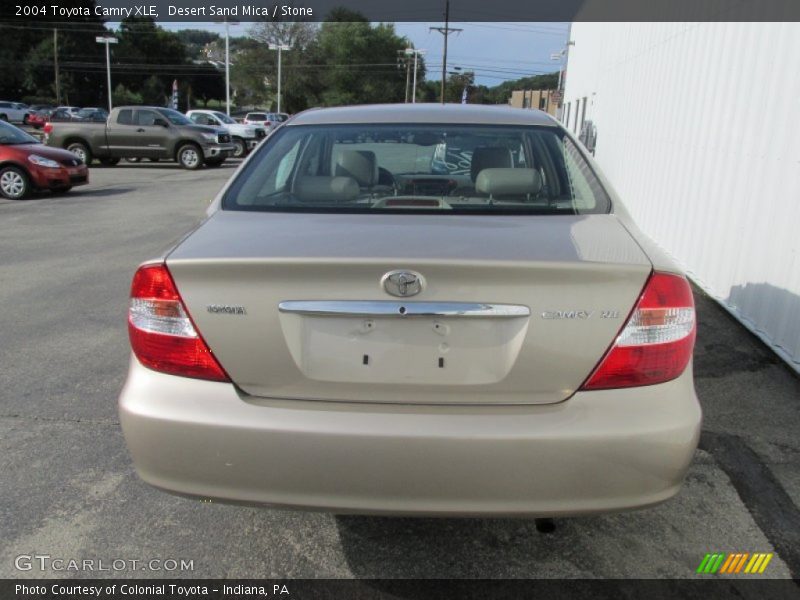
<point>293,305</point>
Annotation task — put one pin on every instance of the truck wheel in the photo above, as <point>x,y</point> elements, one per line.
<point>109,162</point>
<point>190,157</point>
<point>80,150</point>
<point>240,149</point>
<point>14,183</point>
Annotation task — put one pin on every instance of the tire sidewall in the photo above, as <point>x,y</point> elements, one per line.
<point>27,187</point>
<point>87,154</point>
<point>197,150</point>
<point>241,148</point>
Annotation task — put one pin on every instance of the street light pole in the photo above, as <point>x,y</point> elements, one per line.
<point>107,40</point>
<point>227,69</point>
<point>416,53</point>
<point>280,48</point>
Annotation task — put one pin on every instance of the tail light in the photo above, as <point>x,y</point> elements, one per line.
<point>48,127</point>
<point>656,343</point>
<point>163,336</point>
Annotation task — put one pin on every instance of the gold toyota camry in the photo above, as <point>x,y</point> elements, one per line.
<point>414,309</point>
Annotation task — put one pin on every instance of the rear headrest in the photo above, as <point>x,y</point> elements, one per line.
<point>361,165</point>
<point>326,189</point>
<point>488,157</point>
<point>507,182</point>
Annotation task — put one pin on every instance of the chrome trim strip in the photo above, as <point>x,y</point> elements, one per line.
<point>378,308</point>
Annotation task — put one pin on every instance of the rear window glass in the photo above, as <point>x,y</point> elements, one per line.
<point>411,168</point>
<point>257,117</point>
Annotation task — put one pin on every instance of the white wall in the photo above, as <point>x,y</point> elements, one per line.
<point>698,129</point>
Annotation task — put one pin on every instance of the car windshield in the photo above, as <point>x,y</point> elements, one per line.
<point>411,168</point>
<point>10,136</point>
<point>174,117</point>
<point>224,118</point>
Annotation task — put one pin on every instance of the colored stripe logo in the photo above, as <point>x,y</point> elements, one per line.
<point>733,563</point>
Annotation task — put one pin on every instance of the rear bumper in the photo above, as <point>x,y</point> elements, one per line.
<point>596,452</point>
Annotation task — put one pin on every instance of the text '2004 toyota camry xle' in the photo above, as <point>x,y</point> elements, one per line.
<point>414,309</point>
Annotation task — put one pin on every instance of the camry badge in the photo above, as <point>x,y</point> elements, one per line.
<point>226,309</point>
<point>403,283</point>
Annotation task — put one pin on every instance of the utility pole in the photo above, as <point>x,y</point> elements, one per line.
<point>107,40</point>
<point>445,31</point>
<point>55,62</point>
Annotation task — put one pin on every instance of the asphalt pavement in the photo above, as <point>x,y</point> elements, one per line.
<point>69,489</point>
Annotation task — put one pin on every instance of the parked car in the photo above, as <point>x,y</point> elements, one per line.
<point>352,330</point>
<point>12,112</point>
<point>72,110</point>
<point>27,165</point>
<point>268,121</point>
<point>38,118</point>
<point>97,115</point>
<point>143,132</point>
<point>244,137</point>
<point>60,115</point>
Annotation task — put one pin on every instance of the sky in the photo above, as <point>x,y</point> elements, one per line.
<point>495,51</point>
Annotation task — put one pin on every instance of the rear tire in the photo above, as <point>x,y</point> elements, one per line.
<point>109,162</point>
<point>14,183</point>
<point>80,150</point>
<point>190,157</point>
<point>240,148</point>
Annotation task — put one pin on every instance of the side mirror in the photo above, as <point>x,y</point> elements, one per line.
<point>160,122</point>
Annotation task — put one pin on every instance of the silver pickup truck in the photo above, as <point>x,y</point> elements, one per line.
<point>149,132</point>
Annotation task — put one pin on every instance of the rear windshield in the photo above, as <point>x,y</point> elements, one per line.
<point>257,116</point>
<point>412,168</point>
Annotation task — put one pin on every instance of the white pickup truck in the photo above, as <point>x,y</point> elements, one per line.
<point>244,137</point>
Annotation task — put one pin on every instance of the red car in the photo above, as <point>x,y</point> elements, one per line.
<point>38,118</point>
<point>27,165</point>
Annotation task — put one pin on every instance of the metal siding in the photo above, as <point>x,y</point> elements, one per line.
<point>699,131</point>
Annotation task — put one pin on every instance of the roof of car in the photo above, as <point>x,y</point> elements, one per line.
<point>463,114</point>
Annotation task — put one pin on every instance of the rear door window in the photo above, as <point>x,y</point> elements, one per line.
<point>125,117</point>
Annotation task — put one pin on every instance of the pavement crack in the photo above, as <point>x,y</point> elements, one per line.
<point>765,498</point>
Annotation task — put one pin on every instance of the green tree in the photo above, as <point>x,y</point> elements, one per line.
<point>122,96</point>
<point>358,62</point>
<point>148,58</point>
<point>27,57</point>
